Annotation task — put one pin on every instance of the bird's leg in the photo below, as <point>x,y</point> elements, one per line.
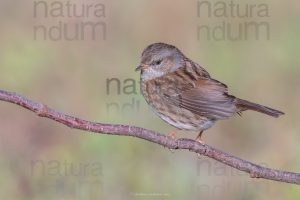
<point>198,138</point>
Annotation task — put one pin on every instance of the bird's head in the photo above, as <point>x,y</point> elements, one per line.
<point>159,59</point>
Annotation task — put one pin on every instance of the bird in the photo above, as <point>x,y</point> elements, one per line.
<point>183,94</point>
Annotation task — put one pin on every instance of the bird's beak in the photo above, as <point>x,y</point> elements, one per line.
<point>140,67</point>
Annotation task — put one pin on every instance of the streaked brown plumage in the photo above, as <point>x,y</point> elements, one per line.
<point>183,94</point>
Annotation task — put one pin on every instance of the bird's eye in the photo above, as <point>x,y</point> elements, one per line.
<point>157,62</point>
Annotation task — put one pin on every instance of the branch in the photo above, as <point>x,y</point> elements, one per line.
<point>254,170</point>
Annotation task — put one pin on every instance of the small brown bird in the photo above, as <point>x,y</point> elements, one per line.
<point>183,94</point>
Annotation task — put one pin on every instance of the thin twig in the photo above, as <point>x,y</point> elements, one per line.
<point>255,171</point>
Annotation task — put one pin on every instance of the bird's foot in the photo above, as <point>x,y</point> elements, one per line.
<point>200,141</point>
<point>173,134</point>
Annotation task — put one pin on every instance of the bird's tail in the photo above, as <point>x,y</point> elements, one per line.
<point>243,105</point>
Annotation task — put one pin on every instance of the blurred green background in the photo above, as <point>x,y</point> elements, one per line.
<point>41,159</point>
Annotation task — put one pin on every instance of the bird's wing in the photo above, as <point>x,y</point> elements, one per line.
<point>196,67</point>
<point>207,97</point>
